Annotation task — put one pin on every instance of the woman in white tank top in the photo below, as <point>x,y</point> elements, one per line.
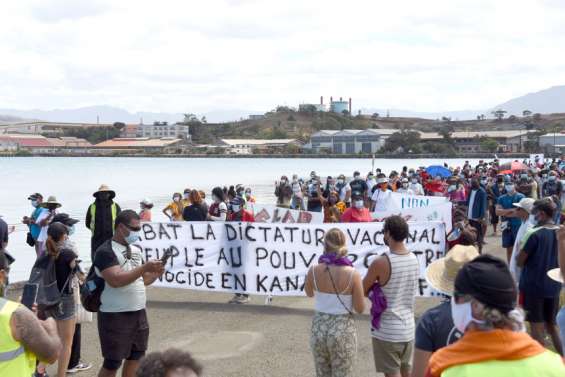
<point>337,291</point>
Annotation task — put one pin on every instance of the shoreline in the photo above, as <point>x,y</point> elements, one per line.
<point>280,156</point>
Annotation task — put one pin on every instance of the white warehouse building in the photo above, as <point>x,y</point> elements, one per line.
<point>349,141</point>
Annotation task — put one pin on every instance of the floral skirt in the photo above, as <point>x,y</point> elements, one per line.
<point>334,344</point>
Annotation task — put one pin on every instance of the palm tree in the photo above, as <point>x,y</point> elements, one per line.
<point>526,113</point>
<point>499,114</point>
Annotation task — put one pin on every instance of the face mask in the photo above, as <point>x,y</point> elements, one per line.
<point>235,208</point>
<point>405,185</point>
<point>34,203</point>
<point>355,177</point>
<point>414,181</point>
<point>71,230</point>
<point>462,315</point>
<point>451,188</point>
<point>370,178</point>
<point>186,196</point>
<point>176,199</point>
<point>509,188</point>
<point>132,237</point>
<point>484,181</point>
<point>544,176</point>
<point>551,178</point>
<point>248,194</point>
<point>283,181</point>
<point>359,204</point>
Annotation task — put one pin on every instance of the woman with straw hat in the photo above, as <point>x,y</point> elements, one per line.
<point>435,328</point>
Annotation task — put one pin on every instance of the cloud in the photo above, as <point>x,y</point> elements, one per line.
<point>194,56</point>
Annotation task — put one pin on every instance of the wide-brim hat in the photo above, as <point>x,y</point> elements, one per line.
<point>555,274</point>
<point>50,200</point>
<point>441,273</point>
<point>105,188</point>
<point>382,180</point>
<point>64,218</point>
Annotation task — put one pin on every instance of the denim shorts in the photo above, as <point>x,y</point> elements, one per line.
<point>508,237</point>
<point>64,310</point>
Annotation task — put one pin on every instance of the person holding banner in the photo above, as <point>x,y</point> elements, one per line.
<point>218,210</point>
<point>240,214</point>
<point>396,272</point>
<point>337,290</point>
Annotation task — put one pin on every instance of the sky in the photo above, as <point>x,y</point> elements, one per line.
<point>197,56</point>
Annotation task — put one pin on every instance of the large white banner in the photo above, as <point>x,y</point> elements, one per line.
<point>268,213</point>
<point>262,258</point>
<point>417,208</point>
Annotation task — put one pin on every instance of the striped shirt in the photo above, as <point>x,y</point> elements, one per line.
<point>397,321</point>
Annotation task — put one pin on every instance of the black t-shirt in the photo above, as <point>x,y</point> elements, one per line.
<point>3,232</point>
<point>63,269</point>
<point>104,257</point>
<point>541,247</point>
<point>194,212</point>
<point>435,329</point>
<point>358,185</point>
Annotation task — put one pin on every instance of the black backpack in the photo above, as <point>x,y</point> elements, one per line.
<point>43,274</point>
<point>91,290</point>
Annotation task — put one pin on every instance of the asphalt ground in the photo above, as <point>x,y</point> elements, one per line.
<point>250,340</point>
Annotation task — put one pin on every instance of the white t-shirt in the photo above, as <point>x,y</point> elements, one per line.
<point>381,198</point>
<point>514,269</point>
<point>471,204</point>
<point>407,191</point>
<point>416,188</point>
<point>124,299</point>
<point>43,233</point>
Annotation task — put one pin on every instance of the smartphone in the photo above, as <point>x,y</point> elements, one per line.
<point>29,296</point>
<point>166,256</point>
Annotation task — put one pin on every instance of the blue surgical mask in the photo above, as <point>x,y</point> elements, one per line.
<point>71,230</point>
<point>34,203</point>
<point>551,178</point>
<point>235,208</point>
<point>132,237</point>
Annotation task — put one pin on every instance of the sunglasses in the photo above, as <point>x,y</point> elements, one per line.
<point>138,229</point>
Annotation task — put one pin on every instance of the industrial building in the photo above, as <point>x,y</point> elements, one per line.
<point>349,141</point>
<point>250,146</point>
<point>337,107</point>
<point>553,141</point>
<point>140,145</point>
<point>511,141</point>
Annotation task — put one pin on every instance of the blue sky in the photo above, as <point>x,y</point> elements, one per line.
<point>198,56</point>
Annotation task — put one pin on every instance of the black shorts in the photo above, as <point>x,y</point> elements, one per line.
<point>123,335</point>
<point>493,217</point>
<point>540,309</point>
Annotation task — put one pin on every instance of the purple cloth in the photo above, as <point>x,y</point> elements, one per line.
<point>335,260</point>
<point>378,305</point>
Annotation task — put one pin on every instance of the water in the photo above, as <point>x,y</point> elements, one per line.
<point>73,180</point>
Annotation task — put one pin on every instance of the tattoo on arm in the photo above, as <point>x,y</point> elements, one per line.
<point>34,337</point>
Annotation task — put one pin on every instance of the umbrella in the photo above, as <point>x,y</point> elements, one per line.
<point>436,170</point>
<point>510,167</point>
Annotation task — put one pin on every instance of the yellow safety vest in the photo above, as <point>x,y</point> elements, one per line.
<point>15,361</point>
<point>93,216</point>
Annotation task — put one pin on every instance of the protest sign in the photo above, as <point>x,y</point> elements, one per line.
<point>260,258</point>
<point>417,208</point>
<point>267,213</point>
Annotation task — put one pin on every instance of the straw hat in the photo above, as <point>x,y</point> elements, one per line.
<point>555,274</point>
<point>442,272</point>
<point>105,188</point>
<point>51,200</point>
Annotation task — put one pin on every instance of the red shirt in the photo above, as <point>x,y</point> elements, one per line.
<point>354,215</point>
<point>246,216</point>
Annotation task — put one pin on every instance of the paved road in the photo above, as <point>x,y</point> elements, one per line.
<point>241,340</point>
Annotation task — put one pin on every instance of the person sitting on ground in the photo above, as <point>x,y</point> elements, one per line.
<point>494,343</point>
<point>357,213</point>
<point>435,328</point>
<point>24,339</point>
<point>396,272</point>
<point>170,363</point>
<point>173,210</point>
<point>195,211</point>
<point>338,291</point>
<point>145,205</point>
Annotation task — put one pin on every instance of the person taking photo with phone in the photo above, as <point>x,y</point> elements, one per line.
<point>122,321</point>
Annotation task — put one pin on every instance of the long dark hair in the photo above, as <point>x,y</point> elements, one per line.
<point>217,191</point>
<point>55,233</point>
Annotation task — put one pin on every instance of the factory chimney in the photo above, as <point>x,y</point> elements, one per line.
<point>340,99</point>
<point>331,100</point>
<point>349,105</point>
<point>321,100</point>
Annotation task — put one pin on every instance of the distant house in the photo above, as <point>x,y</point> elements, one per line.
<point>554,141</point>
<point>140,145</point>
<point>129,131</point>
<point>349,141</point>
<point>508,141</point>
<point>249,146</point>
<point>163,129</point>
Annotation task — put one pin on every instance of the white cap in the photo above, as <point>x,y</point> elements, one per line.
<point>526,204</point>
<point>146,201</point>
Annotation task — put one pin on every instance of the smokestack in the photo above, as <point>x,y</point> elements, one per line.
<point>331,100</point>
<point>349,105</point>
<point>340,99</point>
<point>321,100</point>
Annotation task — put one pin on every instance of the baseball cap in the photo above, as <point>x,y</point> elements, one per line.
<point>526,204</point>
<point>35,196</point>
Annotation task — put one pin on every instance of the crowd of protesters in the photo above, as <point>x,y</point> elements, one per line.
<point>479,329</point>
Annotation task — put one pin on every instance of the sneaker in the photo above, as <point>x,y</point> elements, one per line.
<point>242,300</point>
<point>80,367</point>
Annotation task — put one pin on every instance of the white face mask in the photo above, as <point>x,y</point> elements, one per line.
<point>340,181</point>
<point>359,204</point>
<point>186,196</point>
<point>462,315</point>
<point>34,203</point>
<point>176,199</point>
<point>510,188</point>
<point>235,208</point>
<point>414,181</point>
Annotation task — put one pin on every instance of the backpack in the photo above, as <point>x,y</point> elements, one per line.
<point>91,291</point>
<point>43,274</point>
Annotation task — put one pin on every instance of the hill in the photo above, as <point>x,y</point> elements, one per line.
<point>547,101</point>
